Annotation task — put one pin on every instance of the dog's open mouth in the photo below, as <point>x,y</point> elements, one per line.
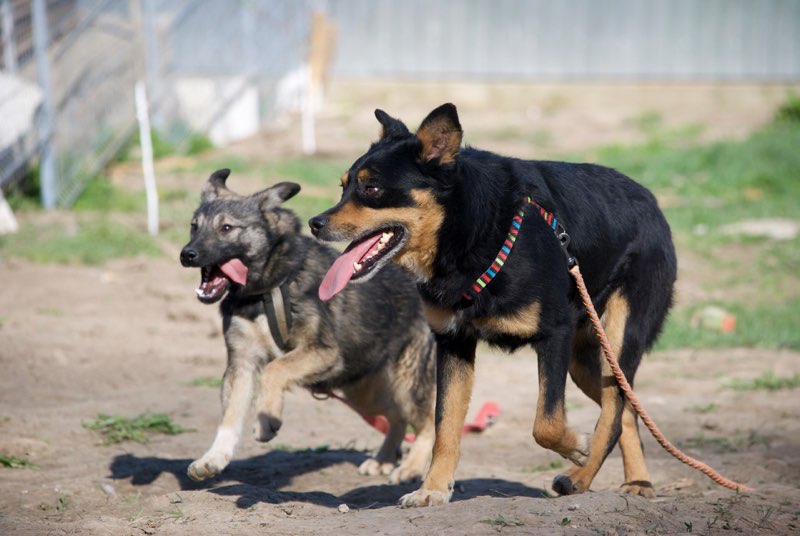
<point>215,279</point>
<point>361,258</point>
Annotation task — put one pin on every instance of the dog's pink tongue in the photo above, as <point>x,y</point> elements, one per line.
<point>235,270</point>
<point>342,270</point>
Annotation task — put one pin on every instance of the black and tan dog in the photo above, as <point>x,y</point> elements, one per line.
<point>489,266</point>
<point>371,344</point>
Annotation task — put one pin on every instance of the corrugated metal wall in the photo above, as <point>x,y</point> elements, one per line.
<point>750,40</point>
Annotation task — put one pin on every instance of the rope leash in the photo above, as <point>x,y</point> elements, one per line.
<point>634,401</point>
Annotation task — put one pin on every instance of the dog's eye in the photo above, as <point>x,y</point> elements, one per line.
<point>226,228</point>
<point>193,226</point>
<point>373,191</point>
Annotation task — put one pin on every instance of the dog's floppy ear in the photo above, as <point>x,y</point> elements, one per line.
<point>216,186</point>
<point>390,127</point>
<point>440,134</point>
<point>277,194</point>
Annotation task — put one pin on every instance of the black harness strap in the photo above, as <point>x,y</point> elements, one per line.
<point>278,309</point>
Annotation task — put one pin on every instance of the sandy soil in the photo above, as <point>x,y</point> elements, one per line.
<point>130,337</point>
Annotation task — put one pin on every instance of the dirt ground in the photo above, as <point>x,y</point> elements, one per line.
<point>131,337</point>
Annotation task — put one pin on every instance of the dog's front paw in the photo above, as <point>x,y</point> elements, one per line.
<point>373,467</point>
<point>642,488</point>
<point>208,466</point>
<point>425,497</point>
<point>404,475</point>
<point>266,428</point>
<point>570,483</point>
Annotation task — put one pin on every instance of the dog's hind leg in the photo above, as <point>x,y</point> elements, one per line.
<point>585,370</point>
<point>637,478</point>
<point>454,375</point>
<point>384,461</point>
<point>413,465</point>
<point>603,389</point>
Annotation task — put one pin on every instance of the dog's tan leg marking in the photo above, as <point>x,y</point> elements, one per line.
<point>453,395</point>
<point>237,392</point>
<point>299,366</point>
<point>578,479</point>
<point>637,478</point>
<point>551,431</point>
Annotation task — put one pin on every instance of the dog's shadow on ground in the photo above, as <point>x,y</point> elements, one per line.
<point>261,478</point>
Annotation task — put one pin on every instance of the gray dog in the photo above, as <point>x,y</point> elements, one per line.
<point>371,344</point>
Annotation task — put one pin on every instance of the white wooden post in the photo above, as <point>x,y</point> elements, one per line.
<point>146,143</point>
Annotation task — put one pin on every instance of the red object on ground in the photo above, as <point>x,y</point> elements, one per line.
<point>486,416</point>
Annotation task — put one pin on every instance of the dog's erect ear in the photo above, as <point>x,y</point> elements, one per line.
<point>391,127</point>
<point>440,134</point>
<point>274,196</point>
<point>216,186</point>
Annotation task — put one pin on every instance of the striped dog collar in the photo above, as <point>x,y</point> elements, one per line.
<point>508,245</point>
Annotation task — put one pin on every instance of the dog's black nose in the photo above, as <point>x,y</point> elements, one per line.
<point>317,223</point>
<point>188,256</point>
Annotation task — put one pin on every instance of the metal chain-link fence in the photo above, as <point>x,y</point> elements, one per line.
<point>70,66</point>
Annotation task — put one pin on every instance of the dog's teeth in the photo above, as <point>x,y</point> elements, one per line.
<point>357,266</point>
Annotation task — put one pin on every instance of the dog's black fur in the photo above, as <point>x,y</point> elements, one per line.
<point>618,235</point>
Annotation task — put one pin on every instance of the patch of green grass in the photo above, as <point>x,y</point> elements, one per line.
<point>734,442</point>
<point>770,326</point>
<point>26,193</point>
<point>309,171</point>
<point>101,194</point>
<point>62,503</point>
<point>718,444</point>
<point>207,381</point>
<point>319,179</point>
<point>702,410</point>
<point>54,312</point>
<point>204,168</point>
<point>721,182</point>
<point>15,462</point>
<point>177,513</point>
<point>789,110</point>
<point>766,382</point>
<point>92,241</point>
<point>116,429</point>
<point>703,187</point>
<point>555,464</point>
<point>59,506</point>
<point>197,143</point>
<point>307,206</point>
<point>501,521</point>
<point>176,139</point>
